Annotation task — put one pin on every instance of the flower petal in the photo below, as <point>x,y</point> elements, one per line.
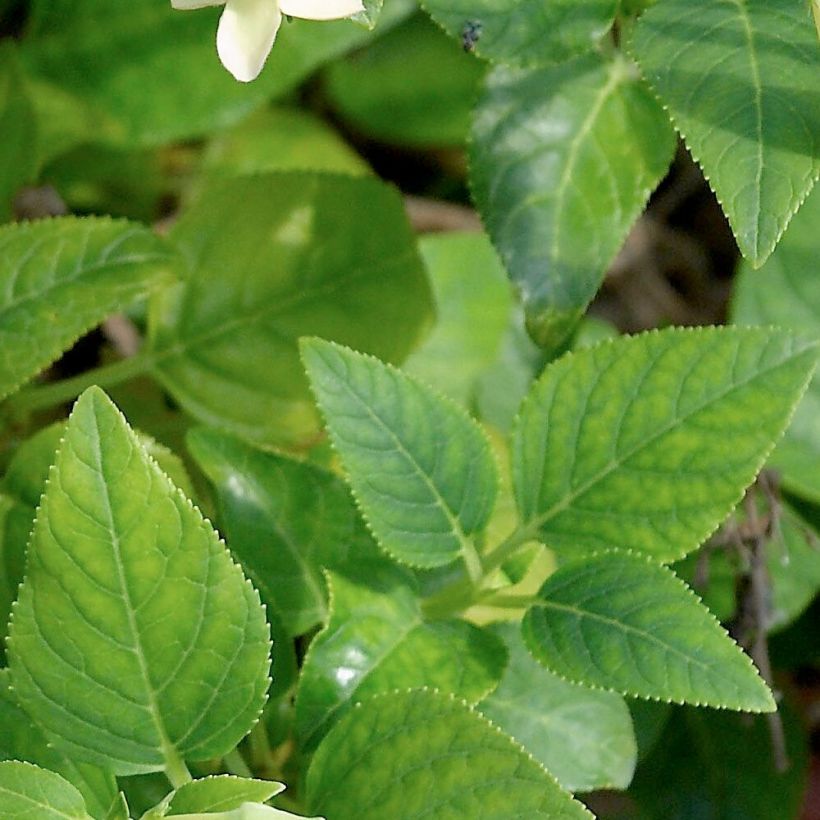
<point>246,33</point>
<point>195,4</point>
<point>321,9</point>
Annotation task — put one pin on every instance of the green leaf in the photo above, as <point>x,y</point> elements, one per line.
<point>376,641</point>
<point>274,257</point>
<point>581,736</point>
<point>135,638</point>
<point>563,160</point>
<point>59,278</point>
<point>619,621</point>
<point>284,520</point>
<point>221,793</point>
<point>741,80</point>
<point>28,791</point>
<point>420,468</point>
<point>473,311</point>
<point>371,89</point>
<point>419,752</point>
<point>525,32</point>
<point>21,739</point>
<point>118,809</point>
<point>786,292</point>
<point>647,442</point>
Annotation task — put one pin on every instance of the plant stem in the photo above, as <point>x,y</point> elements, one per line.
<point>503,600</point>
<point>176,771</point>
<point>48,395</point>
<point>235,764</point>
<point>507,548</point>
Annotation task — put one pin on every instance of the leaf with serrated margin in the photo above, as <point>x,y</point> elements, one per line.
<point>28,792</point>
<point>61,277</point>
<point>563,160</point>
<point>584,737</point>
<point>419,466</point>
<point>274,257</point>
<point>786,292</point>
<point>221,793</point>
<point>741,79</point>
<point>377,641</point>
<point>21,739</point>
<point>620,621</point>
<point>135,638</point>
<point>417,753</point>
<point>525,32</point>
<point>647,442</point>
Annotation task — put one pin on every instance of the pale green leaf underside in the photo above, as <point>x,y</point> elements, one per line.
<point>376,641</point>
<point>59,278</point>
<point>274,257</point>
<point>619,621</point>
<point>28,792</point>
<point>420,468</point>
<point>647,442</point>
<point>135,638</point>
<point>786,292</point>
<point>741,79</point>
<point>221,793</point>
<point>525,32</point>
<point>582,736</point>
<point>563,160</point>
<point>422,754</point>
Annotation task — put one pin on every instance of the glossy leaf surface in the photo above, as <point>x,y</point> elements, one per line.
<point>619,621</point>
<point>221,793</point>
<point>135,638</point>
<point>563,160</point>
<point>786,292</point>
<point>399,756</point>
<point>525,32</point>
<point>376,641</point>
<point>274,257</point>
<point>606,435</point>
<point>741,80</point>
<point>28,791</point>
<point>60,278</point>
<point>582,736</point>
<point>420,468</point>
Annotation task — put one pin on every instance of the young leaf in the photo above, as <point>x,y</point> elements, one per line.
<point>28,792</point>
<point>786,292</point>
<point>647,442</point>
<point>274,257</point>
<point>619,621</point>
<point>525,32</point>
<point>563,160</point>
<point>418,465</point>
<point>583,737</point>
<point>416,753</point>
<point>376,641</point>
<point>61,277</point>
<point>118,809</point>
<point>135,638</point>
<point>221,793</point>
<point>741,79</point>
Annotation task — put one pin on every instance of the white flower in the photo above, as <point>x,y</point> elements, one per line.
<point>248,28</point>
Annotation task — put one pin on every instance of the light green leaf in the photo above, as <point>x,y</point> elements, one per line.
<point>525,32</point>
<point>619,621</point>
<point>135,638</point>
<point>274,257</point>
<point>221,793</point>
<point>563,160</point>
<point>21,739</point>
<point>420,468</point>
<point>408,754</point>
<point>376,641</point>
<point>583,737</point>
<point>249,811</point>
<point>647,442</point>
<point>786,292</point>
<point>372,91</point>
<point>59,278</point>
<point>284,520</point>
<point>473,310</point>
<point>28,792</point>
<point>118,809</point>
<point>741,80</point>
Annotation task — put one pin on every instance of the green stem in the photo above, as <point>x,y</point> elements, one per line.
<point>48,395</point>
<point>235,764</point>
<point>507,548</point>
<point>449,601</point>
<point>176,771</point>
<point>502,600</point>
<point>260,750</point>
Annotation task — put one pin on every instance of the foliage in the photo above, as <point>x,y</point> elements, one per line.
<point>461,519</point>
